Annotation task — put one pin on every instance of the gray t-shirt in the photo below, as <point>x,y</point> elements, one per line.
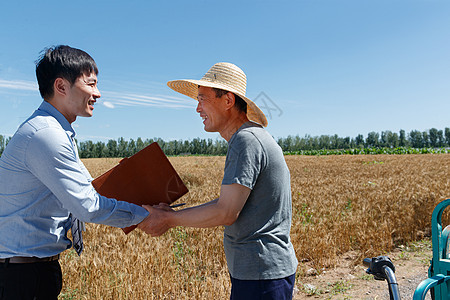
<point>257,246</point>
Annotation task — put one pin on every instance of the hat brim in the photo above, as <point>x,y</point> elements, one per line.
<point>189,87</point>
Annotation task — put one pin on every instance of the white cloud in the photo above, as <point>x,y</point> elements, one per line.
<point>114,99</point>
<point>108,104</point>
<point>18,85</point>
<point>125,99</point>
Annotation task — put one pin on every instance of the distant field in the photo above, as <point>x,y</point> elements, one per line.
<point>364,203</point>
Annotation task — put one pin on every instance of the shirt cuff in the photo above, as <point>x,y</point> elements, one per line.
<point>139,214</point>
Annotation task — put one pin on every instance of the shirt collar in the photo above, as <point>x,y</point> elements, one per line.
<point>243,126</point>
<point>51,110</point>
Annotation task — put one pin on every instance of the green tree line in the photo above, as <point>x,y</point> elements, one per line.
<point>432,138</point>
<point>123,148</point>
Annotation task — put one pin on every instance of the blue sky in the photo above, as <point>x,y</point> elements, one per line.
<point>343,67</point>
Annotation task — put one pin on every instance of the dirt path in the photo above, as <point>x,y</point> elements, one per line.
<point>351,282</point>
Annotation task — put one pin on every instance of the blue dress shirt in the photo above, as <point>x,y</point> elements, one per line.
<point>42,181</point>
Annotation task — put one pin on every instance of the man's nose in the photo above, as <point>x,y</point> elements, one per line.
<point>198,109</point>
<point>97,93</point>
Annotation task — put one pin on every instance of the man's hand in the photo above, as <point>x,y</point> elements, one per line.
<point>163,206</point>
<point>156,223</point>
<point>221,211</point>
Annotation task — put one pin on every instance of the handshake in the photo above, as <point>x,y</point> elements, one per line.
<point>158,220</point>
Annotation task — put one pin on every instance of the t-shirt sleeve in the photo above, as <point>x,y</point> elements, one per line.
<point>244,162</point>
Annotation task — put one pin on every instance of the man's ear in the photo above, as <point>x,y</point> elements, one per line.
<point>60,86</point>
<point>229,100</point>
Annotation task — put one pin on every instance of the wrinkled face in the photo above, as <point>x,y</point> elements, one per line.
<point>82,96</point>
<point>211,109</point>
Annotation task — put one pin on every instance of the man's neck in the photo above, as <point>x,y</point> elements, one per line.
<point>233,126</point>
<point>57,103</point>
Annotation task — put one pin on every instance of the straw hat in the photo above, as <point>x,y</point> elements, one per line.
<point>223,76</point>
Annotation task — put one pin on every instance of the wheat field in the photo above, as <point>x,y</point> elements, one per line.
<point>366,204</point>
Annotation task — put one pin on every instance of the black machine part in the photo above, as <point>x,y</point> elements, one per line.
<point>377,265</point>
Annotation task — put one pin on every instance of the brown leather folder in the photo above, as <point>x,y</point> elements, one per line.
<point>146,177</point>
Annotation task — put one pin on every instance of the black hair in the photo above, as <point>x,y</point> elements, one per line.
<point>239,103</point>
<point>62,62</point>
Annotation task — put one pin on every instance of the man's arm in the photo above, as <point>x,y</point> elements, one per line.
<point>51,159</point>
<point>221,211</point>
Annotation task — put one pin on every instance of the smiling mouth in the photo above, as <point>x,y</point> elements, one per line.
<point>91,102</point>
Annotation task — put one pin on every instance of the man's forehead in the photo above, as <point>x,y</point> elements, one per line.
<point>92,77</point>
<point>202,90</point>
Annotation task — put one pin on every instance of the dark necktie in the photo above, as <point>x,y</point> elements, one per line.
<point>77,235</point>
<point>77,225</point>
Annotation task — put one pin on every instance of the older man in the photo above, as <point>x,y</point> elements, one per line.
<point>44,187</point>
<point>255,196</point>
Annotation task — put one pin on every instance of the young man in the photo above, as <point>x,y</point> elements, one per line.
<point>255,196</point>
<point>44,187</point>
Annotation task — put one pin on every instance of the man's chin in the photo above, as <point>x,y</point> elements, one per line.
<point>88,114</point>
